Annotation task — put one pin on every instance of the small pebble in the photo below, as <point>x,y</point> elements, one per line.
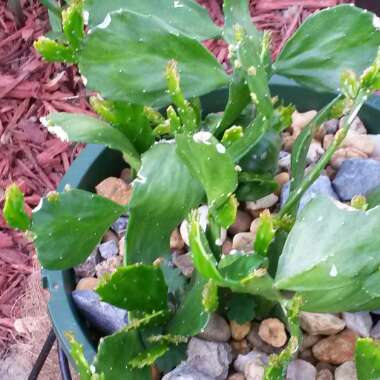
<point>120,225</point>
<point>242,223</point>
<point>87,283</point>
<point>184,262</point>
<point>262,203</point>
<point>347,371</point>
<point>108,266</point>
<point>309,341</point>
<point>115,189</point>
<point>109,249</point>
<point>176,241</point>
<point>336,349</point>
<point>257,343</point>
<point>227,247</point>
<point>243,241</point>
<point>254,370</point>
<point>324,374</point>
<point>321,323</point>
<point>242,360</point>
<point>122,246</point>
<point>240,331</point>
<point>360,322</point>
<point>87,268</point>
<point>300,370</point>
<point>186,372</point>
<point>236,376</point>
<point>109,235</point>
<point>344,154</point>
<point>284,160</point>
<point>282,178</point>
<point>375,331</point>
<point>240,346</point>
<point>272,331</point>
<point>217,330</point>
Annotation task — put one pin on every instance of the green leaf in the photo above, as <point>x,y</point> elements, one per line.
<point>338,275</point>
<point>373,198</point>
<point>209,162</point>
<point>168,338</point>
<point>265,233</point>
<point>278,364</point>
<point>302,144</point>
<point>322,48</point>
<point>77,354</point>
<point>191,317</point>
<point>240,307</point>
<point>156,208</point>
<point>149,356</point>
<point>231,135</point>
<point>14,211</point>
<point>203,259</point>
<point>367,359</point>
<point>114,57</point>
<point>210,298</point>
<point>115,352</point>
<point>87,129</point>
<point>130,119</point>
<point>142,320</point>
<point>254,186</point>
<point>172,358</point>
<point>73,25</point>
<point>263,157</point>
<point>174,279</point>
<point>185,16</point>
<point>225,215</point>
<point>135,287</point>
<point>53,51</point>
<point>67,226</point>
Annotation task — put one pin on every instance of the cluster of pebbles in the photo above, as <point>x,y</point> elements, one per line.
<point>226,349</point>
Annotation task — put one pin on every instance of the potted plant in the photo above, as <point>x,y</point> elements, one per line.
<point>144,56</point>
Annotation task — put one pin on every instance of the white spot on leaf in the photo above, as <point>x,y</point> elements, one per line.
<point>178,4</point>
<point>106,22</point>
<point>202,137</point>
<point>376,22</point>
<point>333,271</point>
<point>220,148</point>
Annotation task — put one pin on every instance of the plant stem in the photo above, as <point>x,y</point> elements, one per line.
<point>325,159</point>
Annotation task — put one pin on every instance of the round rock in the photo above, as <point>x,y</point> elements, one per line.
<point>321,323</point>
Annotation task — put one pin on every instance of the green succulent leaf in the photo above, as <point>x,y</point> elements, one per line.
<point>156,318</point>
<point>53,51</point>
<point>149,356</point>
<point>87,129</point>
<point>115,352</point>
<point>210,298</point>
<point>14,211</point>
<point>278,364</point>
<point>113,58</point>
<point>174,279</point>
<point>265,234</point>
<point>341,274</point>
<point>77,353</point>
<point>367,359</point>
<point>225,215</point>
<point>231,135</point>
<point>373,198</point>
<point>135,287</point>
<point>67,226</point>
<point>209,162</point>
<point>130,119</point>
<point>240,307</point>
<point>322,48</point>
<point>73,25</point>
<point>156,208</point>
<point>185,16</point>
<point>191,317</point>
<point>254,186</point>
<point>168,338</point>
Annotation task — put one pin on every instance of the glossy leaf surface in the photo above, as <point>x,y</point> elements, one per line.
<point>322,48</point>
<point>14,212</point>
<point>115,55</point>
<point>67,227</point>
<point>367,359</point>
<point>135,287</point>
<point>340,272</point>
<point>164,192</point>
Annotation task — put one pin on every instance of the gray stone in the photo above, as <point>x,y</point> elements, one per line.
<point>331,126</point>
<point>242,360</point>
<point>360,322</point>
<point>254,370</point>
<point>102,316</point>
<point>120,225</point>
<point>322,186</point>
<point>257,343</point>
<point>184,263</point>
<point>217,330</point>
<point>357,176</point>
<point>301,370</point>
<point>284,160</point>
<point>375,331</point>
<point>346,371</point>
<point>108,266</point>
<point>108,249</point>
<point>321,323</point>
<point>185,372</point>
<point>211,358</point>
<point>87,268</point>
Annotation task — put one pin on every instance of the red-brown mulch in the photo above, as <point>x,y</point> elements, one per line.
<point>31,88</point>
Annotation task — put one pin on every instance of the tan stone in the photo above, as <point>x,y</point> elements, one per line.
<point>243,241</point>
<point>321,323</point>
<point>327,140</point>
<point>240,346</point>
<point>254,225</point>
<point>315,152</point>
<point>240,331</point>
<point>126,175</point>
<point>242,223</point>
<point>343,154</point>
<point>257,343</point>
<point>87,283</point>
<point>155,373</point>
<point>262,203</point>
<point>272,331</point>
<point>227,247</point>
<point>122,246</point>
<point>324,374</point>
<point>309,341</point>
<point>108,266</point>
<point>282,178</point>
<point>336,349</point>
<point>356,126</point>
<point>115,189</point>
<point>300,120</point>
<point>110,235</point>
<point>364,143</point>
<point>236,376</point>
<point>287,141</point>
<point>176,241</point>
<point>308,356</point>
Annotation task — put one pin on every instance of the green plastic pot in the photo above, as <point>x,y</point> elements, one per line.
<point>97,162</point>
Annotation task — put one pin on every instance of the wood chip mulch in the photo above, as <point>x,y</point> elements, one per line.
<point>31,88</point>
